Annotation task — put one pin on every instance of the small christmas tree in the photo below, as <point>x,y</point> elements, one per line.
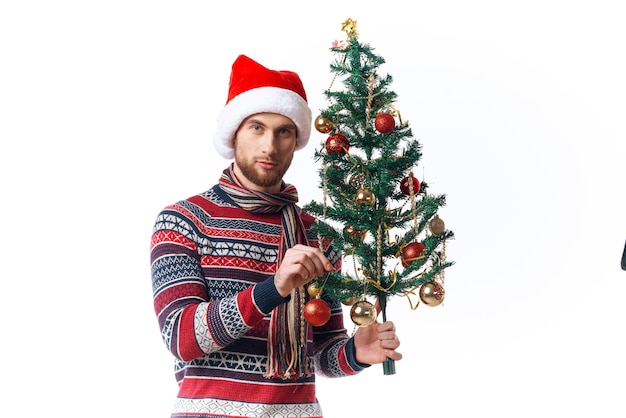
<point>379,215</point>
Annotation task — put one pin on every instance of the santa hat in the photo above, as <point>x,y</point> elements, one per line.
<point>256,89</point>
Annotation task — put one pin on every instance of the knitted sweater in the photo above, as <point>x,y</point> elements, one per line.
<point>212,281</point>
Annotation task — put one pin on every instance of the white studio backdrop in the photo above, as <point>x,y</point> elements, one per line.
<point>107,111</point>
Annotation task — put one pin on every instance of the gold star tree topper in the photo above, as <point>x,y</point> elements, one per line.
<point>349,27</point>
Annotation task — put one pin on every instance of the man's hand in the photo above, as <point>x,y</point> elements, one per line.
<point>300,265</point>
<point>376,342</point>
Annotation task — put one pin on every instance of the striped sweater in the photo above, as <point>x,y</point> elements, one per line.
<point>212,281</point>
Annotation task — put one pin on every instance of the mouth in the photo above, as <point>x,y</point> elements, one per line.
<point>267,165</point>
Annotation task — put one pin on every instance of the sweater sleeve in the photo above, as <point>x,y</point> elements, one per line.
<point>191,324</point>
<point>334,350</point>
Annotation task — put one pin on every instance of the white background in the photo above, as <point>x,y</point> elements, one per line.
<point>107,111</point>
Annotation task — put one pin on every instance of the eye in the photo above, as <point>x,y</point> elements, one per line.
<point>286,131</point>
<point>255,127</point>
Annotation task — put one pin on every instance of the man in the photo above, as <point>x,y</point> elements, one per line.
<point>230,265</point>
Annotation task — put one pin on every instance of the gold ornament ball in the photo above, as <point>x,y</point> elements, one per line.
<point>436,225</point>
<point>363,313</point>
<point>432,293</point>
<point>313,289</point>
<point>323,125</point>
<point>365,197</point>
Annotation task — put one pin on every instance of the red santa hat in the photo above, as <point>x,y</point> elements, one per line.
<point>256,89</point>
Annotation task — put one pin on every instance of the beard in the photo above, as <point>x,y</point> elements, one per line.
<point>260,177</point>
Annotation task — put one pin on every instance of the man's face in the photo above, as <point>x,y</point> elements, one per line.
<point>264,146</point>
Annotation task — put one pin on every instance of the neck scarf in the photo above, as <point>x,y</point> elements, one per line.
<point>286,343</point>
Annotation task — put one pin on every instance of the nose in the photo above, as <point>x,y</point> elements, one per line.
<point>269,142</point>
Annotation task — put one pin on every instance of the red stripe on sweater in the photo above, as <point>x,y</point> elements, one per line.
<point>267,393</point>
<point>187,290</point>
<point>167,236</point>
<point>230,262</point>
<point>343,362</point>
<point>249,311</point>
<point>188,348</point>
<point>233,212</point>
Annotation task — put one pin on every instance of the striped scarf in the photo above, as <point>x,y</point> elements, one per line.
<point>286,343</point>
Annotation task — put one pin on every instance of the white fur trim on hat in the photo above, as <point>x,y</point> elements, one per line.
<point>261,100</point>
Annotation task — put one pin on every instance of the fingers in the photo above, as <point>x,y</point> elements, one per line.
<point>386,326</point>
<point>389,340</point>
<point>376,342</point>
<point>300,265</point>
<point>308,267</point>
<point>309,262</point>
<point>387,334</point>
<point>392,354</point>
<point>322,264</point>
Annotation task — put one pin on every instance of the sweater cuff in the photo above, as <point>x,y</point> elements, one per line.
<point>266,296</point>
<point>351,356</point>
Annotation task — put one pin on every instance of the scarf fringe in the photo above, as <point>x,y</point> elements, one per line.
<point>286,344</point>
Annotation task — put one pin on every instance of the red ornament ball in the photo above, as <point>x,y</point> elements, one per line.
<point>384,123</point>
<point>337,144</point>
<point>404,185</point>
<point>316,312</point>
<point>412,252</point>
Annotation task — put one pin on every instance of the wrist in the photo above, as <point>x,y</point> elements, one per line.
<point>266,295</point>
<point>351,355</point>
<point>281,288</point>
